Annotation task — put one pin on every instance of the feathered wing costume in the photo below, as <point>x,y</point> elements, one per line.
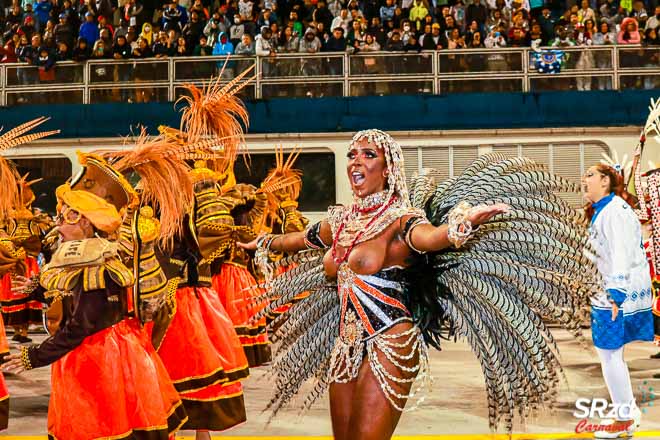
<point>518,269</point>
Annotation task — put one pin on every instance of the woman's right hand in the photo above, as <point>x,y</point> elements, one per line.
<point>251,245</point>
<point>19,284</point>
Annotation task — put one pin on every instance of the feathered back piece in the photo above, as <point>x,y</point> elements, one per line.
<point>164,180</point>
<point>517,270</point>
<point>282,182</point>
<point>9,195</point>
<point>216,111</point>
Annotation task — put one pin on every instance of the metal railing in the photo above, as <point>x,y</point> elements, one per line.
<point>334,74</point>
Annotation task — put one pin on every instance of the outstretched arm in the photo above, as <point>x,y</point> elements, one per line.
<point>318,235</point>
<point>428,238</point>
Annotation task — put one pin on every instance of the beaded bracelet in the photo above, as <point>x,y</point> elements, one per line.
<point>460,228</point>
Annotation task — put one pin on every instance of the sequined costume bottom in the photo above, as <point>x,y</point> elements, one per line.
<point>236,288</point>
<point>113,385</point>
<point>205,360</point>
<point>372,307</point>
<point>18,309</point>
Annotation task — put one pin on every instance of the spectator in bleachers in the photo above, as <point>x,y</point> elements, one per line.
<point>45,62</point>
<point>412,45</point>
<point>394,43</point>
<point>629,33</point>
<point>147,33</point>
<point>236,30</point>
<point>63,31</point>
<point>435,40</point>
<point>132,13</point>
<point>604,35</point>
<point>202,48</point>
<point>14,17</point>
<point>356,35</point>
<point>336,43</point>
<point>458,12</point>
<point>82,52</point>
<point>172,18</point>
<point>8,52</point>
<point>476,41</point>
<point>341,20</point>
<point>310,42</point>
<point>121,50</point>
<point>534,34</point>
<point>246,9</point>
<point>289,42</point>
<point>295,22</point>
<point>245,47</point>
<point>201,10</point>
<point>99,51</point>
<point>42,13</point>
<point>517,37</point>
<point>654,21</point>
<point>193,30</point>
<point>651,39</point>
<point>639,13</point>
<point>418,12</point>
<point>143,50</point>
<point>586,13</point>
<point>223,46</point>
<point>181,48</point>
<point>48,31</point>
<point>89,31</point>
<point>478,12</point>
<point>162,46</point>
<point>455,40</point>
<point>450,24</point>
<point>63,52</point>
<point>377,30</point>
<point>387,10</point>
<point>106,9</point>
<point>321,14</point>
<point>266,18</point>
<point>321,34</point>
<point>28,28</point>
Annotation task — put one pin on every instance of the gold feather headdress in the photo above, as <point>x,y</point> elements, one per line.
<point>216,111</point>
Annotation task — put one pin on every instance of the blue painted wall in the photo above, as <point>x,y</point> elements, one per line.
<point>418,112</point>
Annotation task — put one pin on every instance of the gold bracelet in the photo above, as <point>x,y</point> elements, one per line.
<point>25,358</point>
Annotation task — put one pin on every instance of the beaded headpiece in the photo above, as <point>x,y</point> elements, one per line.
<point>396,178</point>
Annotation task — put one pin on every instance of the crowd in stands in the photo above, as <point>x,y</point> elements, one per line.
<point>47,31</point>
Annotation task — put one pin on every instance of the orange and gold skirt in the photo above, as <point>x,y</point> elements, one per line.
<point>205,361</point>
<point>237,290</point>
<point>17,309</point>
<point>4,392</point>
<point>113,385</point>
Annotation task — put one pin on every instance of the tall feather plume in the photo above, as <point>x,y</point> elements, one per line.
<point>216,111</point>
<point>9,197</point>
<point>282,178</point>
<point>164,180</point>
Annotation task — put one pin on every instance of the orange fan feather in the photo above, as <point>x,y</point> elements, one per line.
<point>282,182</point>
<point>165,180</point>
<point>216,111</point>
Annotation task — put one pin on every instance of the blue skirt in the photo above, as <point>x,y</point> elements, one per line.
<point>611,335</point>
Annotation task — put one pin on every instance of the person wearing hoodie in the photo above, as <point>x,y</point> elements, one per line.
<point>310,44</point>
<point>264,48</point>
<point>629,33</point>
<point>8,53</point>
<point>64,31</point>
<point>224,47</point>
<point>147,33</point>
<point>89,30</point>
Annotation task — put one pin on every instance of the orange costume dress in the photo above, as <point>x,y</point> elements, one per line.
<point>200,348</point>
<point>26,230</point>
<point>240,211</point>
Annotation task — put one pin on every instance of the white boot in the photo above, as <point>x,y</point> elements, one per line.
<point>623,428</point>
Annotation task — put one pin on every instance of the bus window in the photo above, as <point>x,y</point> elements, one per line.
<point>54,171</point>
<point>318,189</point>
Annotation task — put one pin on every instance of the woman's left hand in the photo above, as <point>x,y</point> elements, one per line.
<point>615,311</point>
<point>14,364</point>
<point>481,214</point>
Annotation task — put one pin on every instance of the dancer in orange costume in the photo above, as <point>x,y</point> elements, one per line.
<point>26,230</point>
<point>12,258</point>
<point>99,352</point>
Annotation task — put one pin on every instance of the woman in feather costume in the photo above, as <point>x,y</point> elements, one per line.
<point>493,253</point>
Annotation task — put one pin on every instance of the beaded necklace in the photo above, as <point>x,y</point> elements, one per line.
<point>356,209</point>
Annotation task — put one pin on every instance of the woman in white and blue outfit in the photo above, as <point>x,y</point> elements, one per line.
<point>621,313</point>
